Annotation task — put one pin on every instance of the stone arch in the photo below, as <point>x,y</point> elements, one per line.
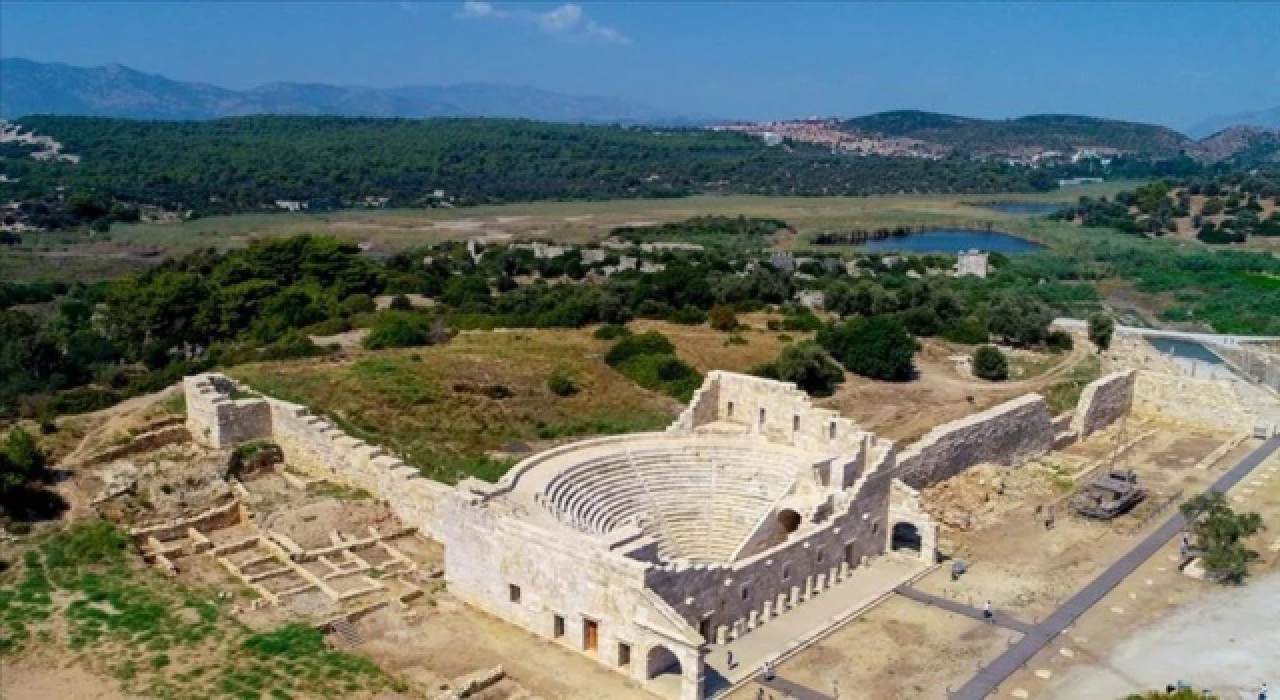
<point>906,535</point>
<point>661,661</point>
<point>789,520</point>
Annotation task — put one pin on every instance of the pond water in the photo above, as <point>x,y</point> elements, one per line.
<point>947,240</point>
<point>1025,208</point>
<point>1185,349</point>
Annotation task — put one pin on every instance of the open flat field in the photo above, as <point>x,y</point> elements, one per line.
<point>449,408</point>
<point>132,247</point>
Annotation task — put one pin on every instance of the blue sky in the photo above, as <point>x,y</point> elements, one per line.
<point>1169,63</point>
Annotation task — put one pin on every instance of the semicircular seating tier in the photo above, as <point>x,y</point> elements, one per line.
<point>699,499</point>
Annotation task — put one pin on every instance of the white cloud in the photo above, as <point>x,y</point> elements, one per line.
<point>567,21</point>
<point>479,9</point>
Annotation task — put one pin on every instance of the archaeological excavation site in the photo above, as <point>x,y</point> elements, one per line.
<point>749,524</point>
<point>760,532</point>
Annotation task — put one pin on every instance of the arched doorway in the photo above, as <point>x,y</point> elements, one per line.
<point>789,520</point>
<point>662,662</point>
<point>905,536</point>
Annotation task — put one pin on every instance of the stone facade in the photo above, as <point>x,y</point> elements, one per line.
<point>219,421</point>
<point>1010,433</point>
<point>1103,402</point>
<point>971,263</point>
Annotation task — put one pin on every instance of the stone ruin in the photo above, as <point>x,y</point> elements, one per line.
<point>643,550</point>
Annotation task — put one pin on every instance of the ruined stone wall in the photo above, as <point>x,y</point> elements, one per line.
<point>568,575</point>
<point>216,420</point>
<point>1209,403</point>
<point>777,410</point>
<point>734,597</point>
<point>1103,402</point>
<point>313,445</point>
<point>1010,433</point>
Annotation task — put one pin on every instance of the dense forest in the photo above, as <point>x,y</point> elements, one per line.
<point>248,163</point>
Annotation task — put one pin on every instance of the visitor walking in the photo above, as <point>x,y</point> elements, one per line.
<point>835,690</point>
<point>1262,692</point>
<point>986,611</point>
<point>729,659</point>
<point>768,671</point>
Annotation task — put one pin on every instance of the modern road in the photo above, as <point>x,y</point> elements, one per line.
<point>991,676</point>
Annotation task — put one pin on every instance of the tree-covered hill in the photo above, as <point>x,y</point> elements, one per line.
<point>244,163</point>
<point>1048,131</point>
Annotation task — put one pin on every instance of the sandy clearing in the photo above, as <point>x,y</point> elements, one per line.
<point>1228,641</point>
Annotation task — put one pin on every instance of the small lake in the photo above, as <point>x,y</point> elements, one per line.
<point>1025,208</point>
<point>948,240</point>
<point>1185,349</point>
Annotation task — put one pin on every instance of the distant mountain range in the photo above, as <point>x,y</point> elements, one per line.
<point>1264,119</point>
<point>30,87</point>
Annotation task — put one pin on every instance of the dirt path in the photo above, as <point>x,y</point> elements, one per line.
<point>114,418</point>
<point>1078,354</point>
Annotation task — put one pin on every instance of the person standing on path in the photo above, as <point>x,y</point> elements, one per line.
<point>729,659</point>
<point>1262,692</point>
<point>986,611</point>
<point>768,671</point>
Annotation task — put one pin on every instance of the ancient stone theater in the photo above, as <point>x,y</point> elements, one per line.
<point>653,553</point>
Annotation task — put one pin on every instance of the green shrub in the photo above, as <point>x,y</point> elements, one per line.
<point>82,400</point>
<point>665,373</point>
<point>332,326</point>
<point>561,382</point>
<point>807,366</point>
<point>878,347</point>
<point>966,331</point>
<point>990,363</point>
<point>399,329</point>
<point>688,316</point>
<point>651,343</point>
<point>1059,341</point>
<point>611,331</point>
<point>722,318</point>
<point>801,321</point>
<point>357,304</point>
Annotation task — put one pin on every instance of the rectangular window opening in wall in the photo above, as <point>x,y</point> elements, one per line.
<point>745,592</point>
<point>730,412</point>
<point>848,553</point>
<point>513,593</point>
<point>821,555</point>
<point>795,424</point>
<point>590,635</point>
<point>557,627</point>
<point>704,628</point>
<point>831,430</point>
<point>624,654</point>
<point>786,572</point>
<point>762,418</point>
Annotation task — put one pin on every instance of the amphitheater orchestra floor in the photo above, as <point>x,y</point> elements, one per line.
<point>795,629</point>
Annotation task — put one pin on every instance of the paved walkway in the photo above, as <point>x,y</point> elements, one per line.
<point>1213,338</point>
<point>989,678</point>
<point>780,688</point>
<point>808,620</point>
<point>999,619</point>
